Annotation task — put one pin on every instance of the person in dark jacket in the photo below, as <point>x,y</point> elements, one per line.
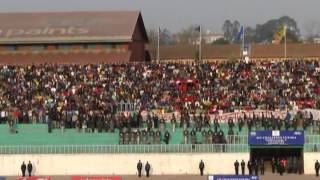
<point>317,167</point>
<point>147,168</point>
<point>201,167</point>
<point>273,165</point>
<point>236,167</point>
<point>249,165</point>
<point>29,168</point>
<point>23,169</point>
<point>256,167</point>
<point>166,137</point>
<point>243,167</point>
<point>139,167</point>
<point>261,166</point>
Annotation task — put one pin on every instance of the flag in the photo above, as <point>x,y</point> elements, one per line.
<point>240,33</point>
<point>280,33</point>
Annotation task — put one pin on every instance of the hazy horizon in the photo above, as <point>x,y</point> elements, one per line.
<point>178,14</point>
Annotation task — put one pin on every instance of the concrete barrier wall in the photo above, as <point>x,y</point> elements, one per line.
<point>309,161</point>
<point>124,164</point>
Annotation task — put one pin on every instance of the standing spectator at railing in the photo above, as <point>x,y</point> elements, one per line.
<point>204,137</point>
<point>193,136</point>
<point>166,137</point>
<point>230,136</point>
<point>240,124</point>
<point>62,125</point>
<point>3,116</point>
<point>138,135</point>
<point>158,137</point>
<point>173,123</point>
<point>186,136</point>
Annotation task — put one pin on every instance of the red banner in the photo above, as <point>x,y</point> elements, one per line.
<point>34,178</point>
<point>96,178</point>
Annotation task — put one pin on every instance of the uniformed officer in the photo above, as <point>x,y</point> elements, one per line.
<point>201,167</point>
<point>139,167</point>
<point>29,168</point>
<point>317,167</point>
<point>23,169</point>
<point>147,168</point>
<point>236,167</point>
<point>261,166</point>
<point>243,167</point>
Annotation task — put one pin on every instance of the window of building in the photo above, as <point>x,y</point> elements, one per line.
<point>38,47</point>
<point>90,46</point>
<point>11,47</point>
<point>64,46</point>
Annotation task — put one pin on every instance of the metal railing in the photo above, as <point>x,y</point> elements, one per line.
<point>96,149</point>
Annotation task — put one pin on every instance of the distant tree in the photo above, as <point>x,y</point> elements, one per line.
<point>265,32</point>
<point>230,30</point>
<point>312,29</point>
<point>188,35</point>
<point>153,40</point>
<point>220,41</point>
<point>227,29</point>
<point>235,30</point>
<point>166,37</point>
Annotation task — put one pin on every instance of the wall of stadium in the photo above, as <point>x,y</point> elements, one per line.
<point>120,164</point>
<point>309,160</point>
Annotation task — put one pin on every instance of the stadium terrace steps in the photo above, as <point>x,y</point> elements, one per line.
<point>30,134</point>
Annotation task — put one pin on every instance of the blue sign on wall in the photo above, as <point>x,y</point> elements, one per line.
<point>233,177</point>
<point>2,178</point>
<point>276,138</point>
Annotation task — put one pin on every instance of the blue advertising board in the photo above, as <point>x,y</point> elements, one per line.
<point>276,138</point>
<point>2,178</point>
<point>233,177</point>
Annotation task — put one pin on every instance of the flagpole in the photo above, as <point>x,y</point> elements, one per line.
<point>243,41</point>
<point>158,48</point>
<point>200,42</point>
<point>285,42</point>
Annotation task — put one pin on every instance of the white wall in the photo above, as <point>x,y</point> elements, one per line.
<point>309,160</point>
<point>124,164</point>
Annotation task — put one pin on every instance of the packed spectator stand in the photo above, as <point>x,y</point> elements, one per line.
<point>112,97</point>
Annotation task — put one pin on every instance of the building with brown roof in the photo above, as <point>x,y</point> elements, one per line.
<point>73,37</point>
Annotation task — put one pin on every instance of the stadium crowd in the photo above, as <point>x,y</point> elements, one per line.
<point>88,96</point>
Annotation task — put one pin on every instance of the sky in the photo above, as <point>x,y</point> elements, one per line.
<point>178,14</point>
